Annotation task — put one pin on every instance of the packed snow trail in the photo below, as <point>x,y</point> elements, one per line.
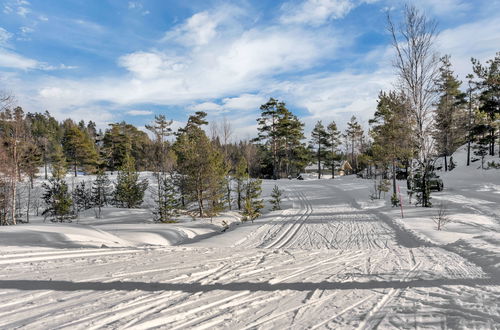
<point>325,263</point>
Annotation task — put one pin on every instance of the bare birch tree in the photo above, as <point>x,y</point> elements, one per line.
<point>417,68</point>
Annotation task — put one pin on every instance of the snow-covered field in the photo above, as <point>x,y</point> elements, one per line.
<point>330,259</point>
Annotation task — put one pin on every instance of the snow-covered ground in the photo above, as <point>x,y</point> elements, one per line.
<point>330,259</point>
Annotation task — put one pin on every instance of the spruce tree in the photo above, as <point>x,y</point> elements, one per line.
<point>100,192</point>
<point>167,203</point>
<point>276,198</point>
<point>82,197</point>
<point>57,199</point>
<point>129,190</point>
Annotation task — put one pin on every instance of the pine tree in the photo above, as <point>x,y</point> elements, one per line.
<point>253,203</point>
<point>200,164</point>
<point>489,97</point>
<point>58,200</point>
<point>276,198</point>
<point>79,148</point>
<point>129,190</point>
<point>290,132</point>
<point>122,139</point>
<point>321,140</point>
<point>392,140</point>
<point>100,192</point>
<point>450,117</point>
<point>269,130</point>
<point>354,134</point>
<point>333,136</point>
<point>58,162</point>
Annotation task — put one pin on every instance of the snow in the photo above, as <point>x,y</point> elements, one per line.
<point>332,258</point>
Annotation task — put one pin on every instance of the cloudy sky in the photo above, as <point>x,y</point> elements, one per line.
<point>113,60</point>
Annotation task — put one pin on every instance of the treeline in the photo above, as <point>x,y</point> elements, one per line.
<point>188,166</point>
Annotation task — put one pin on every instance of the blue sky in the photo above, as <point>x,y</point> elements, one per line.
<point>114,60</point>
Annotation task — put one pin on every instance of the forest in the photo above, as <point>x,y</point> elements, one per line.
<point>202,169</point>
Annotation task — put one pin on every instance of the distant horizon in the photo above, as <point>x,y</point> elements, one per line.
<point>112,61</point>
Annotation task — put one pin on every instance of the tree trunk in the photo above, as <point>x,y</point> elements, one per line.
<point>228,184</point>
<point>319,161</point>
<point>393,177</point>
<point>445,163</point>
<point>29,202</point>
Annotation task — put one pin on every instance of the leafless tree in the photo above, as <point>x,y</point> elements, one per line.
<point>417,68</point>
<point>214,130</point>
<point>442,218</point>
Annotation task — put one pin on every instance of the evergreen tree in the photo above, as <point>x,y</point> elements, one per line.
<point>290,133</point>
<point>354,134</point>
<point>58,160</point>
<point>167,202</point>
<point>129,190</point>
<point>166,199</point>
<point>321,140</point>
<point>253,203</point>
<point>122,139</point>
<point>276,198</point>
<point>333,136</point>
<point>489,97</point>
<point>79,148</point>
<point>450,118</point>
<point>240,176</point>
<point>269,132</point>
<point>82,197</point>
<point>392,144</point>
<point>58,200</point>
<point>100,192</point>
<point>200,164</point>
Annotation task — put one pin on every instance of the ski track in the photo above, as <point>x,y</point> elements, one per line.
<point>326,263</point>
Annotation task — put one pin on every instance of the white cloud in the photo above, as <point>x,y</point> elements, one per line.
<point>479,40</point>
<point>328,96</point>
<point>244,102</point>
<point>23,11</point>
<point>4,36</point>
<point>139,112</point>
<point>198,30</point>
<point>12,60</point>
<point>206,106</point>
<point>315,12</point>
<point>43,18</point>
<point>147,65</point>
